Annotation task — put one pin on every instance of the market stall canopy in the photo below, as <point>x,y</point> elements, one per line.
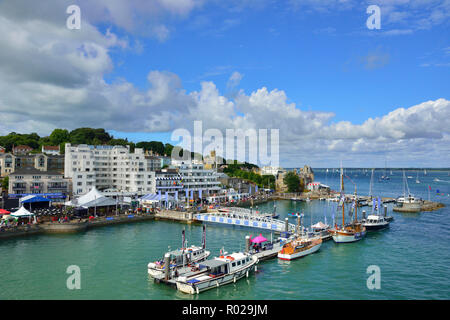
<point>22,212</point>
<point>100,202</point>
<point>3,211</point>
<point>89,197</point>
<point>31,199</point>
<point>259,239</point>
<point>7,217</point>
<point>152,197</point>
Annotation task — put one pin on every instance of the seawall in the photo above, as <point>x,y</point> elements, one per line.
<point>72,227</point>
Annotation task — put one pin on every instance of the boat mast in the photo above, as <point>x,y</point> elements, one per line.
<point>343,196</point>
<point>371,182</point>
<point>356,206</point>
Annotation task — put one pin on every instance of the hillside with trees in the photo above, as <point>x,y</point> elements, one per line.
<point>89,136</point>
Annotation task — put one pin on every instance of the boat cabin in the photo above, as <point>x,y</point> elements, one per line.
<point>192,253</point>
<point>374,219</point>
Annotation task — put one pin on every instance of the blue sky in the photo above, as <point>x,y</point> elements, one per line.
<point>310,68</point>
<point>317,58</point>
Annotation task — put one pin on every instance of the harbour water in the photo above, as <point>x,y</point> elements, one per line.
<point>413,254</point>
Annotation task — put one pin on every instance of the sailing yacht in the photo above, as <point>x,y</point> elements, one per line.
<point>385,177</point>
<point>352,232</point>
<point>408,201</point>
<point>417,177</point>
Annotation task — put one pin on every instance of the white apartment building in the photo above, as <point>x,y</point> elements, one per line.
<point>108,167</point>
<point>196,178</point>
<point>268,170</point>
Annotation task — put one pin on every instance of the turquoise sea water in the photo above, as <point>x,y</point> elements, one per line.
<point>413,255</point>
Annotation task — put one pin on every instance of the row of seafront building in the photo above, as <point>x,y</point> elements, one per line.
<point>108,168</point>
<point>114,169</point>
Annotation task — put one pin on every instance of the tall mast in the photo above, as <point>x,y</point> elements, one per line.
<point>356,206</point>
<point>371,182</point>
<point>343,196</point>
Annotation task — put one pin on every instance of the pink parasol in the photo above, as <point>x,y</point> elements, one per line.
<point>259,239</point>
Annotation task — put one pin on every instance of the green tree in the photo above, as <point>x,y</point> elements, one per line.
<point>292,181</point>
<point>59,136</point>
<point>168,149</point>
<point>5,183</point>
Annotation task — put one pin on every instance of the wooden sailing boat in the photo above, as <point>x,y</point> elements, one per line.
<point>300,246</point>
<point>351,232</point>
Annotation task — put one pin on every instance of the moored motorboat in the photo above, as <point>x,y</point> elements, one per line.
<point>264,249</point>
<point>177,259</point>
<point>321,230</point>
<point>217,272</point>
<point>375,222</point>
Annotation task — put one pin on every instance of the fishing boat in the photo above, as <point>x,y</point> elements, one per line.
<point>299,247</point>
<point>352,232</point>
<point>217,272</point>
<point>179,258</point>
<point>375,222</point>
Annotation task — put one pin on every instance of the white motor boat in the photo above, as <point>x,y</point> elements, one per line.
<point>178,259</point>
<point>375,222</point>
<point>217,272</point>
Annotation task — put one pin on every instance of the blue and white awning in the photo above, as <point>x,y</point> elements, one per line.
<point>151,197</point>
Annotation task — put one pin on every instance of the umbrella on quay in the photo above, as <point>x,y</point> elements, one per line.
<point>3,211</point>
<point>259,239</point>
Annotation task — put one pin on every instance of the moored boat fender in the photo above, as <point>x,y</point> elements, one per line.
<point>247,274</point>
<point>234,279</point>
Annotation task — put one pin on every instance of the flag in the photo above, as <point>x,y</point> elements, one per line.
<point>200,193</point>
<point>186,193</point>
<point>204,237</point>
<point>437,191</point>
<point>250,189</point>
<point>192,194</point>
<point>374,204</point>
<point>341,201</point>
<point>167,199</point>
<point>429,187</point>
<point>159,195</point>
<point>182,239</point>
<point>176,196</point>
<point>379,203</point>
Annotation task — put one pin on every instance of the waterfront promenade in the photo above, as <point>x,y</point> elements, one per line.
<point>73,226</point>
